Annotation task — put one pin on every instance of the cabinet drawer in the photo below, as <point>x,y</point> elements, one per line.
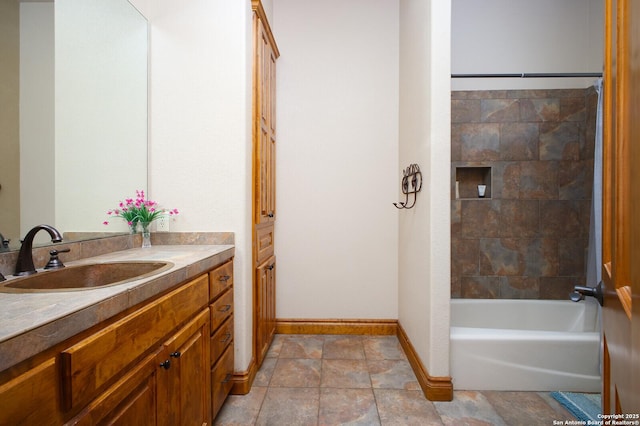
<point>221,339</point>
<point>221,309</point>
<point>221,380</point>
<point>263,243</point>
<point>220,279</point>
<point>91,363</point>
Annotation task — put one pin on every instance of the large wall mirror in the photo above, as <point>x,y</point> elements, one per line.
<point>73,113</point>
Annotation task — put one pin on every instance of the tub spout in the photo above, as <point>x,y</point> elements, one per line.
<point>580,292</point>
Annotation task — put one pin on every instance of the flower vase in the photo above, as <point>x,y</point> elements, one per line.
<point>133,228</point>
<point>146,234</point>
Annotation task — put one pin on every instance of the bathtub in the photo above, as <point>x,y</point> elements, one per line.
<point>525,345</point>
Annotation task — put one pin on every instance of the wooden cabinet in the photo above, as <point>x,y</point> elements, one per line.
<point>221,338</point>
<point>153,366</point>
<point>265,302</point>
<point>264,173</point>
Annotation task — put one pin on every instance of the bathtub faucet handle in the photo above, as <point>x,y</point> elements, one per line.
<point>579,293</point>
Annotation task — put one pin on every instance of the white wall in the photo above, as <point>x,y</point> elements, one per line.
<point>424,249</point>
<point>516,36</point>
<point>337,158</point>
<point>200,111</point>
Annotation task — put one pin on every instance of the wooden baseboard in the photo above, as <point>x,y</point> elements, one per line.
<point>434,388</point>
<point>243,380</point>
<point>379,327</point>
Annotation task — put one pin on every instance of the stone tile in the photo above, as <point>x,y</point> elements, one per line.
<point>392,374</point>
<point>519,141</point>
<point>539,110</point>
<point>348,407</point>
<point>499,110</point>
<point>557,288</point>
<point>345,373</point>
<point>343,347</point>
<point>503,256</point>
<point>573,109</point>
<point>560,141</point>
<point>575,180</point>
<point>300,373</point>
<point>562,219</point>
<point>519,218</point>
<point>465,256</point>
<point>506,180</point>
<point>263,376</point>
<point>302,346</point>
<point>538,180</point>
<point>405,408</point>
<point>456,290</point>
<point>572,254</point>
<point>276,346</point>
<point>457,133</point>
<point>456,218</point>
<point>478,141</point>
<point>480,218</point>
<point>522,408</point>
<point>481,287</point>
<point>469,408</point>
<point>519,287</point>
<point>383,347</point>
<point>241,410</point>
<point>547,264</point>
<point>465,110</point>
<point>290,406</point>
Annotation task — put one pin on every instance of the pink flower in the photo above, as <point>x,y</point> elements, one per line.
<point>105,222</point>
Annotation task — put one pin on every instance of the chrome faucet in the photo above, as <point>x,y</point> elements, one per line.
<point>4,242</point>
<point>24,266</point>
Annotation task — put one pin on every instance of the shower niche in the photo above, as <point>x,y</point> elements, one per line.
<point>472,182</point>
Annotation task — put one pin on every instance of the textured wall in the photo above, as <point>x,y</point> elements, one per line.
<point>529,239</point>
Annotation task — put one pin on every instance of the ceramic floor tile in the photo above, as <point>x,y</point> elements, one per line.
<point>348,407</point>
<point>343,347</point>
<point>241,410</point>
<point>290,406</point>
<point>392,374</point>
<point>383,347</point>
<point>276,346</point>
<point>296,373</point>
<point>468,408</point>
<point>345,373</point>
<point>263,376</point>
<point>522,408</point>
<point>405,408</point>
<point>302,346</point>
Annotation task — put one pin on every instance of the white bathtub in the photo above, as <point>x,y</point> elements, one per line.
<point>525,345</point>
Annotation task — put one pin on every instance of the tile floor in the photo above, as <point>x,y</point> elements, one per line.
<point>366,380</point>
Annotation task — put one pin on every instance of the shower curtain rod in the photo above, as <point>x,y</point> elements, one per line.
<point>531,75</point>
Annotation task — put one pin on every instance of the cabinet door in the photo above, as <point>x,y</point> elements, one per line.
<point>264,307</point>
<point>131,401</point>
<point>32,398</point>
<point>184,386</point>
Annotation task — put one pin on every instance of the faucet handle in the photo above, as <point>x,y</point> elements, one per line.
<point>54,262</point>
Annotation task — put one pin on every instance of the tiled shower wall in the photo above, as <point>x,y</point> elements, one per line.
<point>529,239</point>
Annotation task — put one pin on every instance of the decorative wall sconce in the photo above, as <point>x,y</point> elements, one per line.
<point>411,185</point>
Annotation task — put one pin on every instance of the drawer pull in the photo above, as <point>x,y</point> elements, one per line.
<point>225,308</point>
<point>227,378</point>
<point>226,338</point>
<point>270,267</point>
<point>224,278</point>
<point>175,354</point>
<point>166,364</point>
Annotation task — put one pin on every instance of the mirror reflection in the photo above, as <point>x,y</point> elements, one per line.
<point>73,113</point>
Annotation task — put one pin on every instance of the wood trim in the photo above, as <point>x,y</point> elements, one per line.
<point>374,327</point>
<point>434,388</point>
<point>243,380</point>
<point>256,6</point>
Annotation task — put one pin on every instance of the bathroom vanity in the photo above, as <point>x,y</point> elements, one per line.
<point>155,350</point>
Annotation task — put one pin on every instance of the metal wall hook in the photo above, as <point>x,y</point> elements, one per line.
<point>411,184</point>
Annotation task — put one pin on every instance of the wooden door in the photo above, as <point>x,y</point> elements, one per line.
<point>621,209</point>
<point>184,382</point>
<point>264,307</point>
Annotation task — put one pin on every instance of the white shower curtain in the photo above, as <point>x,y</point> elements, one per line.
<point>594,253</point>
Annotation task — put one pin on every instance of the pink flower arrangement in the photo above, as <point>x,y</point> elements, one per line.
<point>139,209</point>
